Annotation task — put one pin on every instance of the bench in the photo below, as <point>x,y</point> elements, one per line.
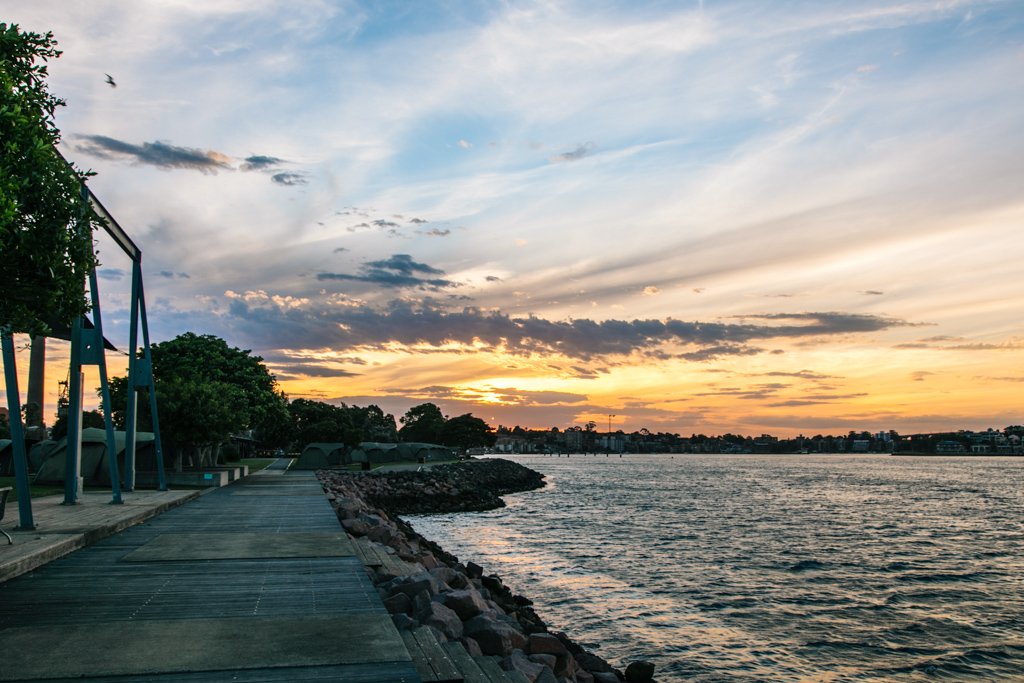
<point>4,492</point>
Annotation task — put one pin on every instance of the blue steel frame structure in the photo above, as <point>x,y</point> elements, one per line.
<point>87,348</point>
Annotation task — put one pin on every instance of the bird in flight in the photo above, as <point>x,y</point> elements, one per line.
<point>110,80</point>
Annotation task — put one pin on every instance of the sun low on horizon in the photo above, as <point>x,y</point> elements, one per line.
<point>690,217</point>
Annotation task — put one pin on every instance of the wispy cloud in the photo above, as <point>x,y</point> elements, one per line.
<point>289,178</point>
<point>398,271</point>
<point>160,154</point>
<point>260,163</point>
<point>111,273</point>
<point>580,152</point>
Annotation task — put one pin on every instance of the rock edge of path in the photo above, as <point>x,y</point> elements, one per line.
<point>430,587</point>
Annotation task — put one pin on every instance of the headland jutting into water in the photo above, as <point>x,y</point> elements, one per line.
<point>429,586</point>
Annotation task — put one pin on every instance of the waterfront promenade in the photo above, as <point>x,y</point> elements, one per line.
<point>252,582</point>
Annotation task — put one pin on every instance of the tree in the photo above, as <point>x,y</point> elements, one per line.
<point>318,422</point>
<point>45,222</point>
<point>196,416</point>
<point>374,424</point>
<point>422,423</point>
<point>209,358</point>
<point>90,418</point>
<point>276,428</point>
<point>5,427</point>
<point>205,391</point>
<point>466,431</point>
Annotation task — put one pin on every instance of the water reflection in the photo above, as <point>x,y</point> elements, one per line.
<point>769,568</point>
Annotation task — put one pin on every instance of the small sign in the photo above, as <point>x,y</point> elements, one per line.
<point>208,475</point>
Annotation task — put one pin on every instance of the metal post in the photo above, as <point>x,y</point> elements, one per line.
<point>36,378</point>
<point>131,416</point>
<point>147,355</point>
<point>17,433</point>
<point>72,458</point>
<point>108,422</point>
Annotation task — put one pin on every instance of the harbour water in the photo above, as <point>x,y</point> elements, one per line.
<point>769,568</point>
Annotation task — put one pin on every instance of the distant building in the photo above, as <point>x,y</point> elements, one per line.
<point>950,447</point>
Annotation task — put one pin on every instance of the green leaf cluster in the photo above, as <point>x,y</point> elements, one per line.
<point>46,247</point>
<point>206,391</point>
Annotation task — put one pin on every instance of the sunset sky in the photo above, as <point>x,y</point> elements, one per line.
<point>748,217</point>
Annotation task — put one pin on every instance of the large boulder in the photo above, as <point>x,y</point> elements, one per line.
<point>466,603</point>
<point>443,619</point>
<point>547,644</point>
<point>495,637</point>
<point>640,672</point>
<point>517,661</point>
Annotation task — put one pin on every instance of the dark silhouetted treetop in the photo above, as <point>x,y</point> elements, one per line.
<point>466,431</point>
<point>422,423</point>
<point>318,422</point>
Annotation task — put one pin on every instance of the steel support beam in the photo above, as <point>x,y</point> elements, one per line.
<point>108,422</point>
<point>17,433</point>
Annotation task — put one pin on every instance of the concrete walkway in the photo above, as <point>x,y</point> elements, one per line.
<point>252,582</point>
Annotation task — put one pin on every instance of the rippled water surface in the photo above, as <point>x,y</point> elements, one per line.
<point>769,568</point>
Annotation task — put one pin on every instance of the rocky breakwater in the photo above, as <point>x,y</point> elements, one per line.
<point>423,585</point>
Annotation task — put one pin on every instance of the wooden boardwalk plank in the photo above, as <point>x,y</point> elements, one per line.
<point>469,669</point>
<point>304,611</point>
<point>489,666</point>
<point>444,668</point>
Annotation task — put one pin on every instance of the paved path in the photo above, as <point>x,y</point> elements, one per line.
<point>253,582</point>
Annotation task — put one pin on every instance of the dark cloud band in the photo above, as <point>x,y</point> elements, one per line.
<point>158,154</point>
<point>430,325</point>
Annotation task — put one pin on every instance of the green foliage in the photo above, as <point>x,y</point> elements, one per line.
<point>45,223</point>
<point>230,452</point>
<point>374,424</point>
<point>318,422</point>
<point>422,423</point>
<point>90,418</point>
<point>466,431</point>
<point>196,412</point>
<point>205,391</point>
<point>208,358</point>
<point>5,427</point>
<point>119,399</point>
<point>276,429</point>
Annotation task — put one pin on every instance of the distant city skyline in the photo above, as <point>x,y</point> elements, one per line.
<point>700,217</point>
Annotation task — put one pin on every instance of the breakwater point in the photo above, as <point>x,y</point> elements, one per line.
<point>423,585</point>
